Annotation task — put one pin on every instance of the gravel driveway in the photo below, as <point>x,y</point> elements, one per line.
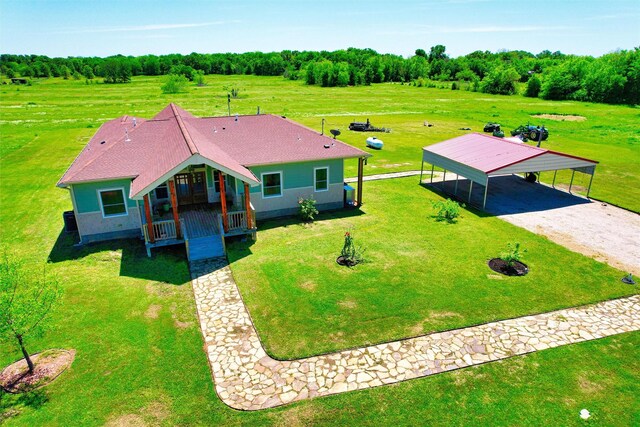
<point>598,230</point>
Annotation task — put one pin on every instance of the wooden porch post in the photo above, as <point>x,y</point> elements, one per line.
<point>174,207</point>
<point>360,174</point>
<point>223,202</point>
<point>247,205</point>
<point>147,214</point>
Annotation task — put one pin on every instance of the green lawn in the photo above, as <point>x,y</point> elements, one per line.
<point>132,320</point>
<point>422,275</point>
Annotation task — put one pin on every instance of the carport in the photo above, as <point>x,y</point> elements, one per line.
<point>478,157</point>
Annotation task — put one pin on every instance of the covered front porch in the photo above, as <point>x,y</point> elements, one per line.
<point>198,207</point>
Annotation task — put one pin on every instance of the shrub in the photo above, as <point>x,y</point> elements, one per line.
<point>447,210</point>
<point>175,84</point>
<point>307,209</point>
<point>513,254</point>
<point>533,87</point>
<point>234,91</point>
<point>198,78</point>
<point>351,253</point>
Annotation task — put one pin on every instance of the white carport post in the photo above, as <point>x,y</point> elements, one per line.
<point>593,172</point>
<point>421,169</point>
<point>470,189</point>
<point>573,172</point>
<point>455,190</point>
<point>432,169</point>
<point>553,184</point>
<point>486,187</point>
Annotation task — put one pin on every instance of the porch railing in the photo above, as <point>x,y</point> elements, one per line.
<point>162,230</point>
<point>238,220</point>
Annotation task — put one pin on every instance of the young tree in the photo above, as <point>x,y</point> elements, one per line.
<point>533,87</point>
<point>26,302</point>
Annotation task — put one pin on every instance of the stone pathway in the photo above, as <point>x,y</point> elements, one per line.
<point>246,378</point>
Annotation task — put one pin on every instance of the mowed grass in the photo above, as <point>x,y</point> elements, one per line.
<point>608,135</point>
<point>421,275</point>
<point>140,357</point>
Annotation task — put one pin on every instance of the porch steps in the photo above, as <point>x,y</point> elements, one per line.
<point>205,247</point>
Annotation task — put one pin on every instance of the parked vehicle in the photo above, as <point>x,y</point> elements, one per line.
<point>491,127</point>
<point>366,127</point>
<point>533,133</point>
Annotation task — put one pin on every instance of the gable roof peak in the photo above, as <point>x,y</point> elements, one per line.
<point>173,111</point>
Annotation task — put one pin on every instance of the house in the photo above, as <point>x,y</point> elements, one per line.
<point>181,179</point>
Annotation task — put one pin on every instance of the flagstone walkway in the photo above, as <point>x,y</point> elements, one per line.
<point>246,378</point>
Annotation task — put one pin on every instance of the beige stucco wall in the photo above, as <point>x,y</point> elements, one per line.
<point>289,198</point>
<point>92,223</point>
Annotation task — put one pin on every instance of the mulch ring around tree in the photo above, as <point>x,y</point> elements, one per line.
<point>48,365</point>
<point>500,266</point>
<point>346,262</point>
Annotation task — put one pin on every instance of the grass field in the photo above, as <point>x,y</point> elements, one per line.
<point>132,320</point>
<point>421,275</point>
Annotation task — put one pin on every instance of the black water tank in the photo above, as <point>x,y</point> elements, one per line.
<point>70,224</point>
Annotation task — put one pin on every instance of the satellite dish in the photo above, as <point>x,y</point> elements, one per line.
<point>335,133</point>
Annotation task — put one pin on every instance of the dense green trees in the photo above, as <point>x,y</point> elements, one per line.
<point>611,78</point>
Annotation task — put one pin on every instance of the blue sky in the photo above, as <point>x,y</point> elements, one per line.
<point>102,28</point>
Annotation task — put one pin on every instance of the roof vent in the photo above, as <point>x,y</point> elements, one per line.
<point>102,142</point>
<point>236,117</point>
<point>134,122</point>
<point>126,136</point>
<point>215,130</point>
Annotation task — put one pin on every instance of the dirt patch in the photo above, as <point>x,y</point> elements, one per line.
<point>176,320</point>
<point>159,289</point>
<point>128,420</point>
<point>157,410</point>
<point>443,315</point>
<point>561,117</point>
<point>153,311</point>
<point>588,386</point>
<point>348,304</point>
<point>309,286</point>
<point>153,414</point>
<point>461,376</point>
<point>48,365</point>
<point>301,416</point>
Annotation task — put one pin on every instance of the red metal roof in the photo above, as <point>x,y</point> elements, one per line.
<point>154,147</point>
<point>489,153</point>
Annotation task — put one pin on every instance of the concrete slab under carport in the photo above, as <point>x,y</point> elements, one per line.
<point>595,229</point>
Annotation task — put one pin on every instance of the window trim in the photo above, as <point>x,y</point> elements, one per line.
<point>281,184</point>
<point>124,198</point>
<point>315,179</point>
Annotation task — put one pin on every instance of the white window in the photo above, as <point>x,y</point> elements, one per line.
<point>272,184</point>
<point>321,179</point>
<point>216,181</point>
<point>162,191</point>
<point>112,202</point>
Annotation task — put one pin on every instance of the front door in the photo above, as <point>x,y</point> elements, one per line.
<point>191,188</point>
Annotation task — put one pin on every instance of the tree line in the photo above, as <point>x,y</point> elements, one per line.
<point>612,78</point>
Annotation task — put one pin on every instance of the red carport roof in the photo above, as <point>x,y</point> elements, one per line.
<point>488,153</point>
